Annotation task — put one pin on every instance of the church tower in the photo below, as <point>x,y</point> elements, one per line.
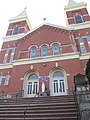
<point>77,15</point>
<point>18,26</point>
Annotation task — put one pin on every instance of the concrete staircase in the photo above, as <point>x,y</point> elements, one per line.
<point>40,108</point>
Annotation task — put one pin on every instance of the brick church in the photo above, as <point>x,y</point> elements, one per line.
<point>45,58</point>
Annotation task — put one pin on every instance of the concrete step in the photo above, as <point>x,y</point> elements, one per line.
<point>17,111</point>
<point>41,108</point>
<point>42,118</point>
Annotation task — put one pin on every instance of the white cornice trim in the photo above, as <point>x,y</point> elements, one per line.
<point>85,56</point>
<point>46,59</point>
<point>12,37</point>
<point>6,66</point>
<point>80,25</point>
<point>75,6</point>
<point>67,56</point>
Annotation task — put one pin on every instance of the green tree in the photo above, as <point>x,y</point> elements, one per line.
<point>87,71</point>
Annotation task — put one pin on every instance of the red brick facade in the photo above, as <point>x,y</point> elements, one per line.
<point>70,60</point>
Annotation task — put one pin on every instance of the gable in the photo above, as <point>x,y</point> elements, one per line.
<point>46,34</point>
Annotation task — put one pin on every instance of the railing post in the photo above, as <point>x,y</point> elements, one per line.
<point>24,114</point>
<point>16,98</point>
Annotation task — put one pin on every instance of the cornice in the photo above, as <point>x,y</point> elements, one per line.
<point>75,6</point>
<point>68,56</point>
<point>80,25</point>
<point>46,59</point>
<point>6,66</point>
<point>12,37</point>
<point>85,56</point>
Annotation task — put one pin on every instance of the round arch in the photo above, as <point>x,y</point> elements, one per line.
<point>31,83</point>
<point>58,82</point>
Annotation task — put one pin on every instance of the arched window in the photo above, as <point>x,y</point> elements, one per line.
<point>33,76</point>
<point>78,19</point>
<point>44,50</point>
<point>88,38</point>
<point>58,74</point>
<point>33,52</point>
<point>55,48</point>
<point>15,30</point>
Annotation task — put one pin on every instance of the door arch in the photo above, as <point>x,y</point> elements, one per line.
<point>31,84</point>
<point>58,82</point>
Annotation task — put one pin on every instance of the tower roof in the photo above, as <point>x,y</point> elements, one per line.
<point>71,2</point>
<point>74,5</point>
<point>22,15</point>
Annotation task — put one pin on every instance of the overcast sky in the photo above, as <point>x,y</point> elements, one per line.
<point>52,10</point>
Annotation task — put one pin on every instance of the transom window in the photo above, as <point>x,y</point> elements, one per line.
<point>78,19</point>
<point>55,48</point>
<point>33,52</point>
<point>44,50</point>
<point>58,74</point>
<point>15,30</point>
<point>33,76</point>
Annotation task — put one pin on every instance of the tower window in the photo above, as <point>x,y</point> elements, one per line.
<point>78,19</point>
<point>15,30</point>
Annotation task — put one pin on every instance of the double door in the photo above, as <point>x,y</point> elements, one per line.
<point>59,87</point>
<point>32,88</point>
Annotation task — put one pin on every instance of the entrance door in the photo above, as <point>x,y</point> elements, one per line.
<point>58,85</point>
<point>31,85</point>
<point>32,88</point>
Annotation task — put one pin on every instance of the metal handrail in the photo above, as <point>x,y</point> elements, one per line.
<point>76,105</point>
<point>29,105</point>
<point>19,94</point>
<point>13,95</point>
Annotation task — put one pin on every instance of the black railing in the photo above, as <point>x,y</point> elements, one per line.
<point>19,94</point>
<point>26,109</point>
<point>11,96</point>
